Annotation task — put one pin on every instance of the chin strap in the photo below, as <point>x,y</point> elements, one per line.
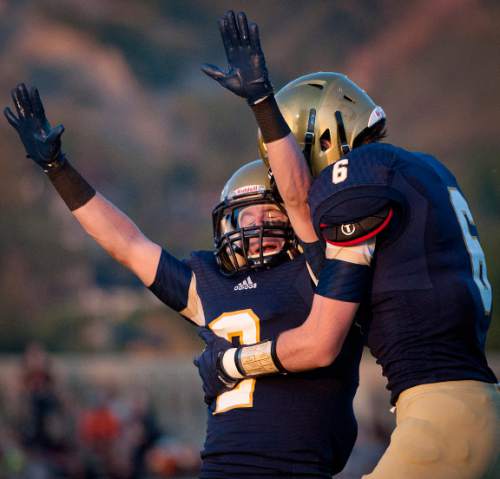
<point>274,186</point>
<point>309,137</point>
<point>344,146</point>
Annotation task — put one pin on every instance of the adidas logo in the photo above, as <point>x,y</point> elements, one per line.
<point>245,284</point>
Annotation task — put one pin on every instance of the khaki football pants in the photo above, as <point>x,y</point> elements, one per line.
<point>446,430</point>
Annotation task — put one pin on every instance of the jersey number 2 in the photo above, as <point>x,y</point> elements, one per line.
<point>245,326</point>
<point>473,246</point>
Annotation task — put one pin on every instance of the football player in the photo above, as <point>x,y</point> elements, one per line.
<point>399,237</point>
<point>254,286</point>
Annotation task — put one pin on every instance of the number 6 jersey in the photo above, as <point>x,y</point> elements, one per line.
<point>426,287</point>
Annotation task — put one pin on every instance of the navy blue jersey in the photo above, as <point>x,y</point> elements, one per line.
<point>427,288</point>
<point>275,426</point>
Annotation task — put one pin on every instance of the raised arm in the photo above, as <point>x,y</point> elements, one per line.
<point>247,77</point>
<point>120,237</point>
<point>111,228</point>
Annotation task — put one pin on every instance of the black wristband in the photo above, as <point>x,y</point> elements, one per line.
<point>71,186</point>
<point>270,120</point>
<point>274,355</point>
<point>237,362</point>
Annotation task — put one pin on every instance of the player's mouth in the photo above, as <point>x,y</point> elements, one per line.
<point>268,248</point>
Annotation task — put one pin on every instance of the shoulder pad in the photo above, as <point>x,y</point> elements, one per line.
<point>350,234</point>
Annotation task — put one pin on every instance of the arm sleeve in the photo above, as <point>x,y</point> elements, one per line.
<point>343,281</point>
<point>175,285</point>
<point>346,272</point>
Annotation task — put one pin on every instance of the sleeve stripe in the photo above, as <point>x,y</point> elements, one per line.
<point>366,237</point>
<point>313,277</point>
<point>194,309</point>
<point>315,255</point>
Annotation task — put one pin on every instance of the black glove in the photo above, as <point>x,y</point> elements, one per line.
<point>41,141</point>
<point>215,380</point>
<point>247,73</point>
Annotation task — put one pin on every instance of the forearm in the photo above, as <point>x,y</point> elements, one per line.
<point>318,341</point>
<point>314,344</point>
<point>288,166</point>
<point>99,218</point>
<point>285,158</point>
<point>294,350</point>
<point>110,228</point>
<point>290,170</point>
<point>293,181</point>
<point>299,352</point>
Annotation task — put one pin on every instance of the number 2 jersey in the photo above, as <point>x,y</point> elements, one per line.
<point>426,287</point>
<point>299,425</point>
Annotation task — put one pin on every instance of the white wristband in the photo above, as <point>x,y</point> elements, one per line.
<point>229,364</point>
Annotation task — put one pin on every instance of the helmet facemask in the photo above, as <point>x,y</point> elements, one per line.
<point>252,231</point>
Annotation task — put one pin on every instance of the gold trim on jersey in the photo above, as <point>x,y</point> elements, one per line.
<point>194,309</point>
<point>244,324</point>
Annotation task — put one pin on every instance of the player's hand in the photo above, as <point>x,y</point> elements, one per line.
<point>215,380</point>
<point>246,75</point>
<point>41,141</point>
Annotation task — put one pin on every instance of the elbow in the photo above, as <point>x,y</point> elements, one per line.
<point>128,250</point>
<point>122,258</point>
<point>324,358</point>
<point>322,354</point>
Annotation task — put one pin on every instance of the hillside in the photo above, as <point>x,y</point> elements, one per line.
<point>159,139</point>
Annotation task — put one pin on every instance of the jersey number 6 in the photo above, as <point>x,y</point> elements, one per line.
<point>473,246</point>
<point>339,172</point>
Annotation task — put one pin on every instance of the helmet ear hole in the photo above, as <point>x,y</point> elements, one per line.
<point>342,110</point>
<point>316,85</point>
<point>325,140</point>
<point>372,134</point>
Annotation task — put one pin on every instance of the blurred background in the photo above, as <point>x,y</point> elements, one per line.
<point>95,373</point>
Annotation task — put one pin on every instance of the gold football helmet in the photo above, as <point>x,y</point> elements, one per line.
<point>326,113</point>
<point>251,227</point>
